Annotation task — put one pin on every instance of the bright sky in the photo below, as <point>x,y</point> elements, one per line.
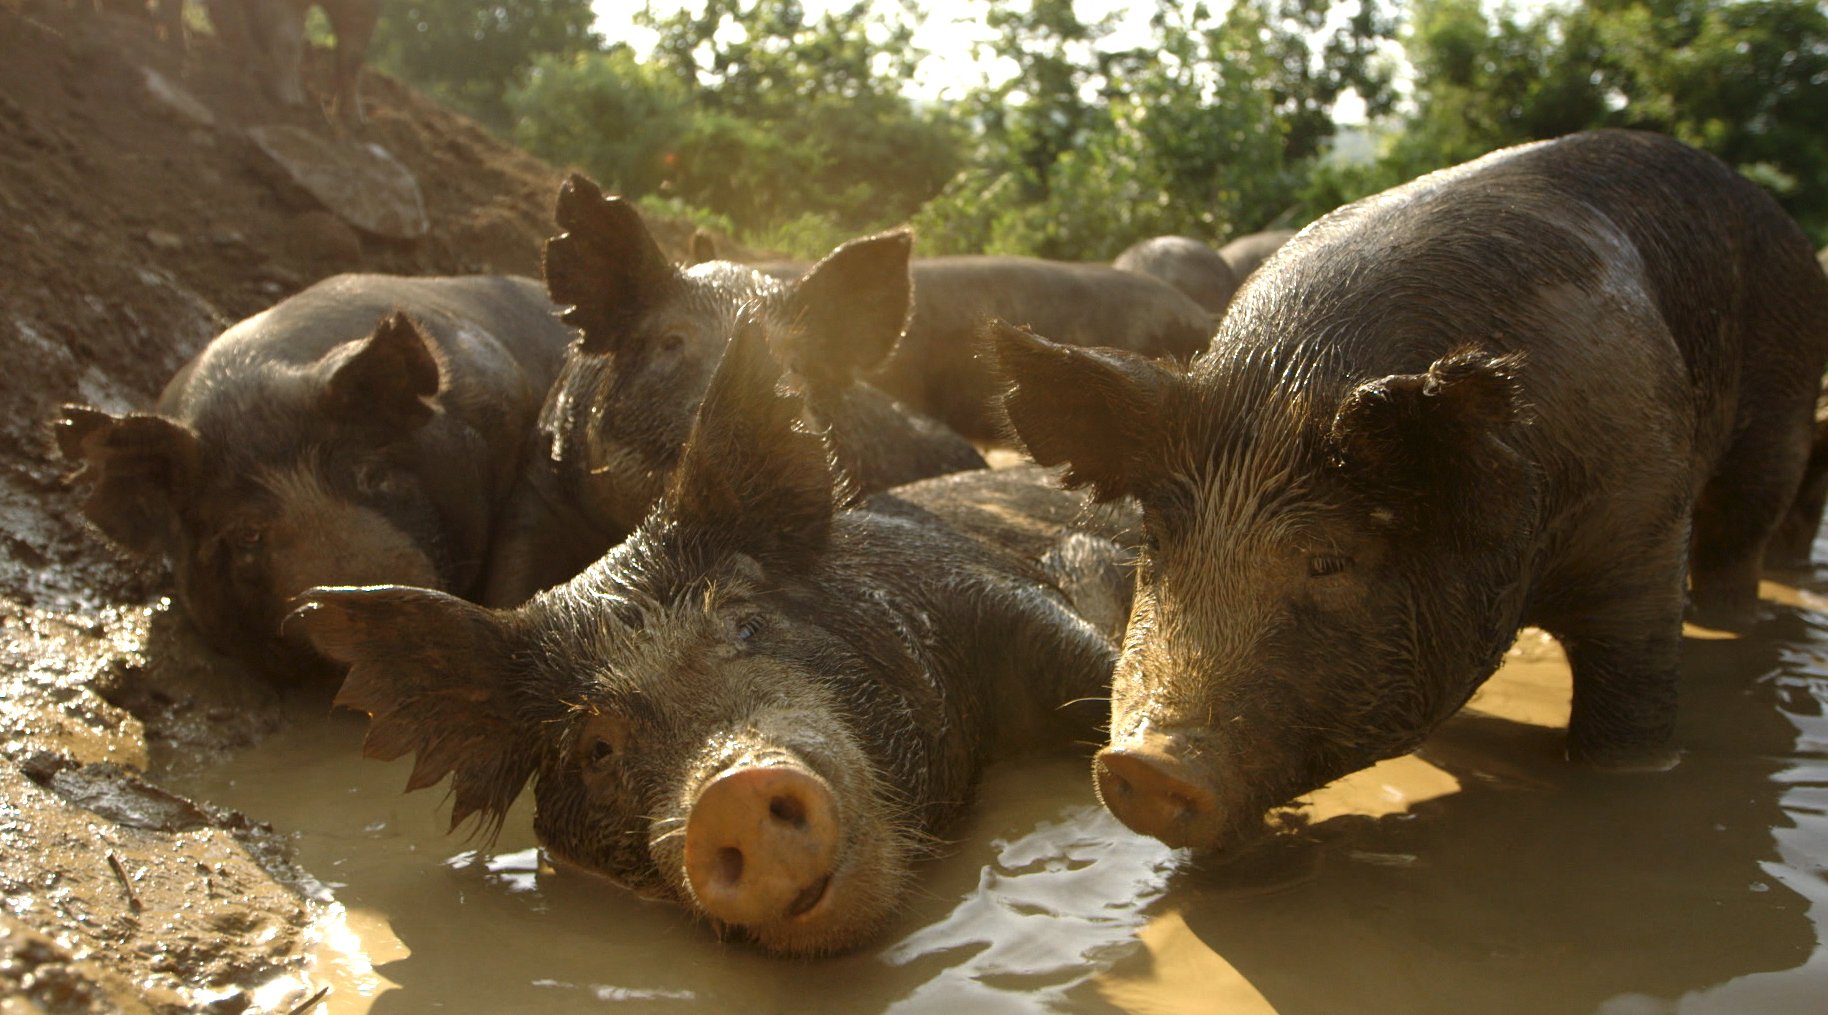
<point>950,28</point>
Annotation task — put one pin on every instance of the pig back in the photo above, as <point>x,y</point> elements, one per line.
<point>935,369</point>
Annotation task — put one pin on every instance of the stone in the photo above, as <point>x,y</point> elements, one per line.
<point>361,183</point>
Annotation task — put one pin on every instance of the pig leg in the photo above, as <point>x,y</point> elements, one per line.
<point>1739,510</point>
<point>354,24</point>
<point>537,543</point>
<point>1624,642</point>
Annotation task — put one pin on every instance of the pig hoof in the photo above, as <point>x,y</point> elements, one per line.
<point>760,844</point>
<point>1626,762</point>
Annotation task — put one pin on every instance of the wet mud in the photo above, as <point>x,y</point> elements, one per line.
<point>1482,873</point>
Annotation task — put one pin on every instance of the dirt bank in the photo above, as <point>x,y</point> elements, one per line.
<point>139,217</point>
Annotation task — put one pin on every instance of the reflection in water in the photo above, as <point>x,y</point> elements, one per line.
<point>1483,873</point>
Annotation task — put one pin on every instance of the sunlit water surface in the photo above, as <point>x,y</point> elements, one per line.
<point>1482,874</point>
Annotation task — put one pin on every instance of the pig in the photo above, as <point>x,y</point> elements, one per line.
<point>1539,389</point>
<point>1194,268</point>
<point>935,369</point>
<point>368,429</point>
<point>270,36</point>
<point>768,701</point>
<point>652,332</point>
<point>1246,252</point>
<point>1794,542</point>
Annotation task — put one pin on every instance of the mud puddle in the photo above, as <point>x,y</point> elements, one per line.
<point>1481,874</point>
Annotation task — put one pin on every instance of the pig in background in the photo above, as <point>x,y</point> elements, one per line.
<point>1537,389</point>
<point>1246,253</point>
<point>269,35</point>
<point>765,704</point>
<point>935,369</point>
<point>652,332</point>
<point>1197,270</point>
<point>311,445</point>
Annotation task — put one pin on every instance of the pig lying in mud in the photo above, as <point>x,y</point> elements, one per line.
<point>1194,268</point>
<point>619,413</point>
<point>763,705</point>
<point>1539,388</point>
<point>311,445</point>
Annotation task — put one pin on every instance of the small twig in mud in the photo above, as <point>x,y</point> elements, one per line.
<point>120,874</point>
<point>322,993</point>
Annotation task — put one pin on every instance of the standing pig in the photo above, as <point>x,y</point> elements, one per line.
<point>269,35</point>
<point>616,419</point>
<point>1539,388</point>
<point>311,445</point>
<point>935,369</point>
<point>762,705</point>
<point>1194,268</point>
<point>1246,252</point>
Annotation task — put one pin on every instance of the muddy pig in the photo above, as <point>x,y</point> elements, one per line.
<point>764,704</point>
<point>311,445</point>
<point>935,368</point>
<point>1246,252</point>
<point>270,36</point>
<point>1539,388</point>
<point>652,332</point>
<point>1194,268</point>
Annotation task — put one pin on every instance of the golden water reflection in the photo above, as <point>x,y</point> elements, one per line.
<point>1482,873</point>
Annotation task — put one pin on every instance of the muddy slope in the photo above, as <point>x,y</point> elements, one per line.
<point>138,217</point>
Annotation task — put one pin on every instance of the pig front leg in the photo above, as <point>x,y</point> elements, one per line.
<point>1625,652</point>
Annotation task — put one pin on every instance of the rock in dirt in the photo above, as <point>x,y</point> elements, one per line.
<point>361,183</point>
<point>177,100</point>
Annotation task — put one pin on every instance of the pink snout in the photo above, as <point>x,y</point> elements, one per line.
<point>760,843</point>
<point>1150,789</point>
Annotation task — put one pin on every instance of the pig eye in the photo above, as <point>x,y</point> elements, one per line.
<point>746,630</point>
<point>1320,567</point>
<point>375,478</point>
<point>245,537</point>
<point>600,750</point>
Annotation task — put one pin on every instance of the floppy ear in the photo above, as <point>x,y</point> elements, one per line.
<point>1408,423</point>
<point>1103,413</point>
<point>605,267</point>
<point>1436,440</point>
<point>704,248</point>
<point>144,467</point>
<point>749,473</point>
<point>434,674</point>
<point>852,308</point>
<point>385,379</point>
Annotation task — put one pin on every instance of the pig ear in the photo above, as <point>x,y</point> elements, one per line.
<point>385,379</point>
<point>852,308</point>
<point>704,248</point>
<point>605,267</point>
<point>1407,424</point>
<point>1103,413</point>
<point>144,468</point>
<point>749,473</point>
<point>433,673</point>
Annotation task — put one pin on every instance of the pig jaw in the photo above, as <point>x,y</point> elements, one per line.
<point>787,839</point>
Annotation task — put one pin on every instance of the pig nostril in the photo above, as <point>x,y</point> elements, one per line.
<point>729,865</point>
<point>788,810</point>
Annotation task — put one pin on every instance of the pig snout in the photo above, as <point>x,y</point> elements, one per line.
<point>1147,785</point>
<point>760,843</point>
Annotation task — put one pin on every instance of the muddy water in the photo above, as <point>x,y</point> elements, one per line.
<point>1482,874</point>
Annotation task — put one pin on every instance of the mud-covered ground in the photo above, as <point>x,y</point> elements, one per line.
<point>137,219</point>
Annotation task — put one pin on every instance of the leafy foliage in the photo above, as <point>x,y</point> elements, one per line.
<point>468,55</point>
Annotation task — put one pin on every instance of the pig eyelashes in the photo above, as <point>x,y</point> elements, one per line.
<point>1323,565</point>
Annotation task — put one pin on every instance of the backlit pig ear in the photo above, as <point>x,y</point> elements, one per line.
<point>1101,412</point>
<point>750,476</point>
<point>144,468</point>
<point>385,379</point>
<point>1407,423</point>
<point>433,673</point>
<point>605,267</point>
<point>852,308</point>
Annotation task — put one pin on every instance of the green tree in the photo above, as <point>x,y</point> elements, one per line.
<point>618,118</point>
<point>468,55</point>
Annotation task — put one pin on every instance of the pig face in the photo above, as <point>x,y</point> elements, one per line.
<point>696,720</point>
<point>298,476</point>
<point>1331,567</point>
<point>652,334</point>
